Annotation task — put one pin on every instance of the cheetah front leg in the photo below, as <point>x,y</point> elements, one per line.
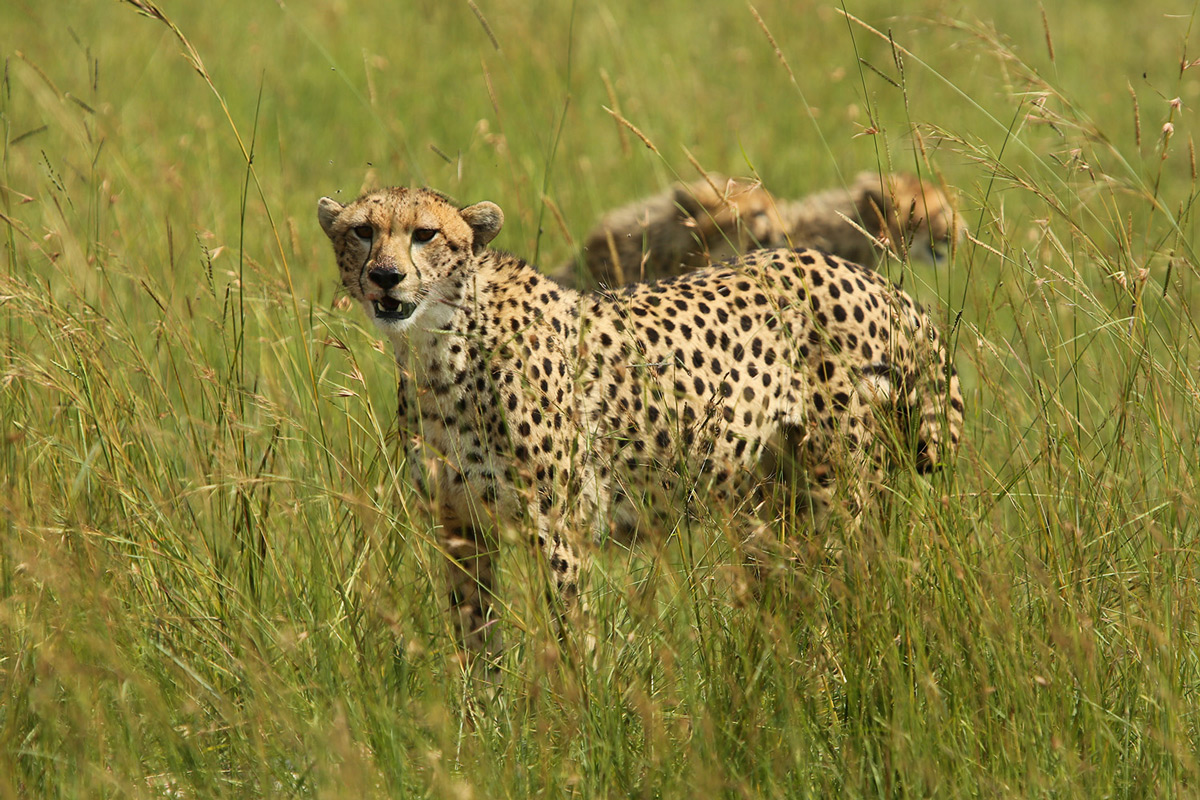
<point>471,582</point>
<point>561,555</point>
<point>559,540</point>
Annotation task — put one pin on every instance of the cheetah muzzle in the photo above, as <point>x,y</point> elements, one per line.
<point>568,414</point>
<point>389,308</point>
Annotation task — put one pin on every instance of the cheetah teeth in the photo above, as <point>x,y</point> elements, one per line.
<point>392,309</point>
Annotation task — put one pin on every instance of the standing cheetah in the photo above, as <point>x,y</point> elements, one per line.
<point>711,219</point>
<point>557,410</point>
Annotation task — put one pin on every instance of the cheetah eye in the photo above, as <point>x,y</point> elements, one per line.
<point>423,235</point>
<point>363,231</point>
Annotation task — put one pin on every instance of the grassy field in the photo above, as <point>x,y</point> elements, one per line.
<point>215,580</point>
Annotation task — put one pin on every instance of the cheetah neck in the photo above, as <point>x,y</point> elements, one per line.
<point>465,318</point>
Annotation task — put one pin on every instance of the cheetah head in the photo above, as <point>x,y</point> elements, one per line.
<point>731,216</point>
<point>404,252</point>
<point>913,215</point>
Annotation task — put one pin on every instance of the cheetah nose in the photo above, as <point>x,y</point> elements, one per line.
<point>385,278</point>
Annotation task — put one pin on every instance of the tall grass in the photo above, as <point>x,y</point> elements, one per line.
<point>216,579</point>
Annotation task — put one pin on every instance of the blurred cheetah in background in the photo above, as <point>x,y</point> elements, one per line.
<point>714,218</point>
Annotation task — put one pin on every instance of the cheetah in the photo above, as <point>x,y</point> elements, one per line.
<point>711,219</point>
<point>686,227</point>
<point>909,215</point>
<point>554,411</point>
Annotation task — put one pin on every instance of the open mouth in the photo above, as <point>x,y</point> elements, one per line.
<point>393,309</point>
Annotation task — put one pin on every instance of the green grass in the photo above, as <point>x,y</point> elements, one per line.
<point>215,580</point>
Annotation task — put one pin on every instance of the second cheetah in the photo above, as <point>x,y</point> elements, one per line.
<point>711,219</point>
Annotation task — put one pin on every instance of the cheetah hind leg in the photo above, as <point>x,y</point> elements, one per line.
<point>812,494</point>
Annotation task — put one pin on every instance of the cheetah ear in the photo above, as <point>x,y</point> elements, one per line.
<point>685,199</point>
<point>485,219</point>
<point>699,197</point>
<point>872,204</point>
<point>327,211</point>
